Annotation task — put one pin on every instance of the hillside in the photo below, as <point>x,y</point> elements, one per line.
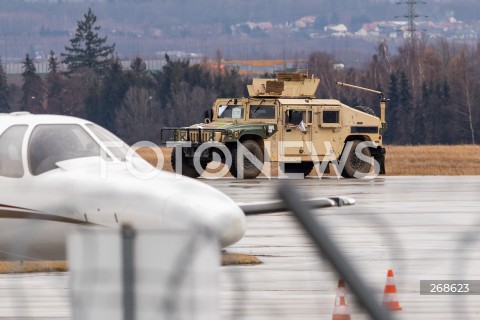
<point>240,29</point>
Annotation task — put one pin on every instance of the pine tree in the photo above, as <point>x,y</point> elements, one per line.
<point>52,63</point>
<point>393,105</point>
<point>87,49</point>
<point>138,74</point>
<point>55,86</point>
<point>138,66</point>
<point>32,89</point>
<point>103,103</point>
<point>405,96</point>
<point>115,85</point>
<point>406,112</point>
<point>4,92</point>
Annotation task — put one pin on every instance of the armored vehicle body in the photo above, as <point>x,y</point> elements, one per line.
<point>281,122</point>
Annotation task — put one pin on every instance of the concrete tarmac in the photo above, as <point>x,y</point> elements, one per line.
<point>424,228</point>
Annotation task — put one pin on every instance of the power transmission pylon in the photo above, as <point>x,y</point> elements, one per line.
<point>411,16</point>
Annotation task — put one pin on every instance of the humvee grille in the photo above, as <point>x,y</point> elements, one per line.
<point>206,136</point>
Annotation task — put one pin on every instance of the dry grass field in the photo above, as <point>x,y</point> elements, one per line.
<point>401,160</point>
<point>433,160</point>
<point>227,259</point>
<point>32,266</point>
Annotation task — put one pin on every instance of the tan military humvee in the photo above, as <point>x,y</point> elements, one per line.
<point>282,122</point>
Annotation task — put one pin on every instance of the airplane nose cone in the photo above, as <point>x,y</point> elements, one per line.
<point>211,209</point>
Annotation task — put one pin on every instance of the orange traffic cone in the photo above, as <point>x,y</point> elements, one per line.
<point>341,311</point>
<point>390,299</point>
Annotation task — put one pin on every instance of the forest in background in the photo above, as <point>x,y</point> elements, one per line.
<point>434,92</point>
<point>433,88</point>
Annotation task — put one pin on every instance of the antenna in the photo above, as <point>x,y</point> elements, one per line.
<point>411,16</point>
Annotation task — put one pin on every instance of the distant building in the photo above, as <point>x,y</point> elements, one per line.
<point>260,67</point>
<point>42,67</point>
<point>305,22</point>
<point>337,30</point>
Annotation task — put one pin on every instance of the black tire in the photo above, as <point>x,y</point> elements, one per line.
<point>354,164</point>
<point>250,171</point>
<point>365,109</point>
<point>303,167</point>
<point>188,169</point>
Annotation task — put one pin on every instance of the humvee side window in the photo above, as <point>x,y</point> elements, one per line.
<point>295,117</point>
<point>11,152</point>
<point>262,112</point>
<point>331,116</point>
<point>231,111</point>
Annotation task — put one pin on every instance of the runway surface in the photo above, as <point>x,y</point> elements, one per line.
<point>424,228</point>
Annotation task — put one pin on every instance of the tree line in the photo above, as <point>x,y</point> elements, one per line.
<point>432,89</point>
<point>134,103</point>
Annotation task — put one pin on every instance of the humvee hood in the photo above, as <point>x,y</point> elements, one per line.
<point>226,125</point>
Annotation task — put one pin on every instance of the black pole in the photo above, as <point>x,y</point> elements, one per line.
<point>128,250</point>
<point>325,245</point>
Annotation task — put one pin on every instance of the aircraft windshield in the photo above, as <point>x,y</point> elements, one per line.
<point>114,144</point>
<point>11,151</point>
<point>52,143</point>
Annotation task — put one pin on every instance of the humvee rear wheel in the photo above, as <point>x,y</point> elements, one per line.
<point>303,167</point>
<point>250,171</point>
<point>354,164</point>
<point>188,168</point>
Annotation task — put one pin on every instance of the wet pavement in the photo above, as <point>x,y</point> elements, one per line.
<point>424,228</point>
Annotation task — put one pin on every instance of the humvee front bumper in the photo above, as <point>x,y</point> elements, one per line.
<point>196,136</point>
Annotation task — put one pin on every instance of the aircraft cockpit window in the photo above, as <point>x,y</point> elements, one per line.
<point>52,143</point>
<point>112,142</point>
<point>11,152</point>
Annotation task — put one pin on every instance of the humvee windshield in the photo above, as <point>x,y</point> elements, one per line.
<point>231,111</point>
<point>262,112</point>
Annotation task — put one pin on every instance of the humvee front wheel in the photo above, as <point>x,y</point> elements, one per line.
<point>355,164</point>
<point>243,164</point>
<point>188,168</point>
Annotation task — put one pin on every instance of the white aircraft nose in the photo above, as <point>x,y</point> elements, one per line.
<point>211,209</point>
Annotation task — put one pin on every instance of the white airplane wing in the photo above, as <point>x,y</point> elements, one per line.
<point>261,207</point>
<point>14,212</point>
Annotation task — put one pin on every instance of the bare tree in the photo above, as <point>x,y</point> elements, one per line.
<point>76,90</point>
<point>321,64</point>
<point>188,104</point>
<point>4,92</point>
<point>463,78</point>
<point>139,117</point>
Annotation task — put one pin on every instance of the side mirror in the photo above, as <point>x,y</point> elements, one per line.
<point>208,115</point>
